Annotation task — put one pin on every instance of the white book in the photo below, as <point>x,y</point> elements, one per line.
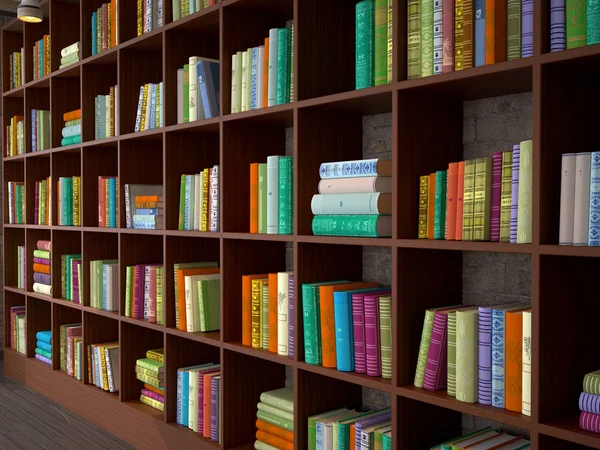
<point>109,290</point>
<point>192,313</point>
<point>148,18</point>
<point>201,201</point>
<point>235,88</point>
<point>282,313</point>
<point>358,203</point>
<point>248,74</point>
<point>244,106</point>
<point>273,195</point>
<point>179,95</point>
<point>272,84</point>
<point>198,205</point>
<point>582,198</point>
<point>160,20</point>
<point>193,88</point>
<point>193,400</point>
<point>526,366</point>
<point>261,77</point>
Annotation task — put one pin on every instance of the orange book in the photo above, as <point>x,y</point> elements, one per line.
<point>254,198</point>
<point>72,115</point>
<point>460,190</point>
<point>146,198</point>
<point>513,377</point>
<point>275,430</point>
<point>328,317</point>
<point>48,195</point>
<point>153,389</point>
<point>206,403</point>
<point>275,441</point>
<point>247,307</point>
<point>113,23</point>
<point>495,31</point>
<point>273,318</point>
<point>451,204</point>
<point>352,430</point>
<point>41,268</point>
<point>431,209</point>
<point>266,78</point>
<point>181,274</point>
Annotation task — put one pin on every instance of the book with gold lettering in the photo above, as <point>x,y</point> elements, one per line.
<point>482,207</point>
<point>423,206</point>
<point>468,200</point>
<point>506,197</point>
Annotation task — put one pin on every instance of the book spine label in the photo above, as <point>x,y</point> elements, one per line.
<point>558,25</point>
<point>358,322</point>
<point>423,206</point>
<point>364,44</point>
<point>496,195</point>
<point>524,225</point>
<point>414,38</point>
<point>426,38</point>
<point>514,30</point>
<point>484,355</point>
<point>291,316</point>
<point>480,13</point>
<point>514,206</point>
<point>286,197</point>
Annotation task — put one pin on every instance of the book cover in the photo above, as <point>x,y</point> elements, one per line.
<point>436,370</point>
<point>344,204</point>
<point>466,355</point>
<point>361,225</point>
<point>257,287</point>
<point>567,198</point>
<point>380,56</point>
<point>414,39</point>
<point>283,313</point>
<point>479,41</point>
<point>286,195</point>
<point>431,206</point>
<point>527,28</point>
<point>262,198</point>
<point>448,21</point>
<point>291,315</point>
<point>364,44</point>
<point>273,195</point>
<point>264,319</point>
<point>468,200</point>
<point>594,214</point>
<point>272,314</point>
<point>558,25</point>
<point>385,330</point>
<point>423,206</point>
<point>451,206</point>
<point>514,361</point>
<point>576,21</point>
<point>426,38</point>
<point>505,196</point>
<point>440,205</point>
<point>356,169</point>
<point>438,36</point>
<point>495,31</point>
<point>272,73</point>
<point>526,377</point>
<point>581,212</point>
<point>283,65</point>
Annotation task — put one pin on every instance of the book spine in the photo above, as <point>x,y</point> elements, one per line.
<point>440,205</point>
<point>264,319</point>
<point>484,355</point>
<point>594,214</point>
<point>372,342</point>
<point>426,38</point>
<point>214,199</point>
<point>423,206</point>
<point>390,40</point>
<point>256,313</point>
<point>344,333</point>
<point>576,20</point>
<point>380,43</point>
<point>447,35</point>
<point>466,366</point>
<point>438,36</point>
<point>524,224</point>
<point>459,36</point>
<point>359,225</point>
<point>436,369</point>
<point>286,197</point>
<point>567,197</point>
<point>358,323</point>
<point>291,315</point>
<point>583,165</point>
<point>483,199</point>
<point>451,201</point>
<point>364,44</point>
<point>414,38</point>
<point>273,195</point>
<point>496,195</point>
<point>514,206</point>
<point>254,79</point>
<point>424,348</point>
<point>498,358</point>
<point>283,66</point>
<point>514,30</point>
<point>272,73</point>
<point>468,200</point>
<point>506,197</point>
<point>514,360</point>
<point>527,28</point>
<point>310,302</point>
<point>527,335</point>
<point>558,25</point>
<point>480,14</point>
<point>468,34</point>
<point>283,313</point>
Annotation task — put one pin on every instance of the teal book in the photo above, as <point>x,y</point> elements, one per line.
<point>593,22</point>
<point>286,195</point>
<point>426,38</point>
<point>357,225</point>
<point>43,353</point>
<point>71,140</point>
<point>44,346</point>
<point>440,205</point>
<point>364,44</point>
<point>283,66</point>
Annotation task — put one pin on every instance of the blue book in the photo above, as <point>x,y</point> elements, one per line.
<point>203,66</point>
<point>480,33</point>
<point>152,93</point>
<point>208,71</point>
<point>192,6</point>
<point>44,336</point>
<point>41,59</point>
<point>179,396</point>
<point>147,211</point>
<point>185,397</point>
<point>253,83</point>
<point>44,346</point>
<point>594,217</point>
<point>94,33</point>
<point>112,203</point>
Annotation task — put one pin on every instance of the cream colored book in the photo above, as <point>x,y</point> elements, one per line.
<point>466,355</point>
<point>193,88</point>
<point>524,232</point>
<point>526,367</point>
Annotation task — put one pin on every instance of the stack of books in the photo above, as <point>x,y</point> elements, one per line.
<point>181,272</point>
<point>41,57</point>
<point>268,303</point>
<point>108,201</point>
<point>448,35</point>
<point>151,370</point>
<point>17,75</point>
<point>69,55</point>
<point>589,403</point>
<point>43,201</point>
<point>374,40</point>
<point>71,132</point>
<point>104,289</point>
<point>16,202</point>
<point>198,399</point>
<point>354,199</point>
<point>143,202</point>
<point>198,201</point>
<point>43,347</point>
<point>150,15</point>
<point>41,268</point>
<point>15,143</point>
<point>106,113</point>
<point>21,267</point>
<point>70,349</point>
<point>150,107</point>
<point>198,90</point>
<point>143,292</point>
<point>272,196</point>
<point>105,29</point>
<point>264,76</point>
<point>373,428</point>
<point>487,362</point>
<point>103,366</point>
<point>68,195</point>
<point>483,199</point>
<point>573,24</point>
<point>17,329</point>
<point>183,8</point>
<point>71,277</point>
<point>40,129</point>
<point>485,439</point>
<point>275,420</point>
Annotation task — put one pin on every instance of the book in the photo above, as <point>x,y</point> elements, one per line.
<point>283,313</point>
<point>356,169</point>
<point>583,163</point>
<point>352,225</point>
<point>594,214</point>
<point>527,28</point>
<point>526,363</point>
<point>513,29</point>
<point>365,16</point>
<point>589,422</point>
<point>438,36</point>
<point>414,38</point>
<point>357,203</point>
<point>468,200</point>
<point>506,197</point>
<point>426,38</point>
<point>524,226</point>
<point>479,34</point>
<point>576,23</point>
<point>451,205</point>
<point>496,196</point>
<point>589,403</point>
<point>291,316</point>
<point>514,205</point>
<point>558,25</point>
<point>440,205</point>
<point>448,21</point>
<point>286,197</point>
<point>423,206</point>
<point>257,288</point>
<point>272,195</point>
<point>567,199</point>
<point>483,202</point>
<point>514,361</point>
<point>591,383</point>
<point>436,370</point>
<point>466,355</point>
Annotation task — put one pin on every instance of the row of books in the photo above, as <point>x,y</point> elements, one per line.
<point>199,201</point>
<point>275,420</point>
<point>105,27</point>
<point>106,113</point>
<point>142,204</point>
<point>268,312</point>
<point>17,75</point>
<point>198,90</point>
<point>43,202</point>
<point>580,199</point>
<point>104,289</point>
<point>71,133</point>
<point>350,200</point>
<point>348,327</point>
<point>350,429</point>
<point>42,263</point>
<point>183,8</point>
<point>485,439</point>
<point>108,202</point>
<point>21,267</point>
<point>41,57</point>
<point>198,399</point>
<point>151,371</point>
<point>374,43</point>
<point>70,277</point>
<point>272,196</point>
<point>573,24</point>
<point>448,35</point>
<point>15,136</point>
<point>143,292</point>
<point>190,298</point>
<point>483,199</point>
<point>18,335</point>
<point>16,202</point>
<point>69,55</point>
<point>40,129</point>
<point>488,361</point>
<point>68,194</point>
<point>71,346</point>
<point>103,366</point>
<point>150,109</point>
<point>264,76</point>
<point>43,346</point>
<point>150,15</point>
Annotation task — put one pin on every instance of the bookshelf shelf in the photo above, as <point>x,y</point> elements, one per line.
<point>569,430</point>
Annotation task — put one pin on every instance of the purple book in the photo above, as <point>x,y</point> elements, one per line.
<point>514,207</point>
<point>358,320</point>
<point>589,403</point>
<point>291,316</point>
<point>34,130</point>
<point>382,416</point>
<point>43,359</point>
<point>437,366</point>
<point>138,290</point>
<point>215,384</point>
<point>496,194</point>
<point>558,25</point>
<point>372,343</point>
<point>36,209</point>
<point>153,395</point>
<point>201,374</point>
<point>41,278</point>
<point>527,28</point>
<point>484,361</point>
<point>41,261</point>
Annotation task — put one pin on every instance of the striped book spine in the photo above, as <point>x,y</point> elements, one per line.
<point>514,30</point>
<point>414,39</point>
<point>496,194</point>
<point>385,324</point>
<point>265,316</point>
<point>358,325</point>
<point>594,217</point>
<point>451,387</point>
<point>215,393</point>
<point>558,26</point>
<point>437,366</point>
<point>498,335</point>
<point>587,421</point>
<point>589,403</point>
<point>514,207</point>
<point>484,379</point>
<point>372,343</point>
<point>468,35</point>
<point>291,315</point>
<point>438,36</point>
<point>527,28</point>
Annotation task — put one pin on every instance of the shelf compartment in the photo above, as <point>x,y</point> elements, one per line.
<point>97,246</point>
<point>39,318</point>
<point>35,98</point>
<point>12,41</point>
<point>14,171</point>
<point>87,8</point>
<point>65,97</point>
<point>567,435</point>
<point>65,242</point>
<point>11,299</point>
<point>63,12</point>
<point>65,164</point>
<point>63,315</point>
<point>96,80</point>
<point>32,236</point>
<point>12,106</point>
<point>96,162</point>
<point>13,238</point>
<point>33,32</point>
<point>37,169</point>
<point>97,330</point>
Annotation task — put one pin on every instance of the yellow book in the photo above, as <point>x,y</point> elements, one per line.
<point>257,288</point>
<point>482,207</point>
<point>144,106</point>
<point>152,403</point>
<point>76,200</point>
<point>468,200</point>
<point>104,373</point>
<point>157,355</point>
<point>423,206</point>
<point>140,29</point>
<point>506,197</point>
<point>205,212</point>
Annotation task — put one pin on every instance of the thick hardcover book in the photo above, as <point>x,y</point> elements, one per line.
<point>524,225</point>
<point>355,169</point>
<point>426,38</point>
<point>436,371</point>
<point>482,206</point>
<point>365,11</point>
<point>514,206</point>
<point>513,27</point>
<point>311,311</point>
<point>589,403</point>
<point>594,214</point>
<point>480,14</point>
<point>365,225</point>
<point>451,375</point>
<point>527,28</point>
<point>372,336</point>
<point>466,355</point>
<point>358,203</point>
<point>468,34</point>
<point>385,324</point>
<point>591,383</point>
<point>283,313</point>
<point>576,20</point>
<point>448,35</point>
<point>264,319</point>
<point>273,195</point>
<point>496,195</point>
<point>380,61</point>
<point>283,66</point>
<point>558,25</point>
<point>506,196</point>
<point>414,38</point>
<point>291,315</point>
<point>567,198</point>
<point>484,356</point>
<point>262,198</point>
<point>254,79</point>
<point>589,422</point>
<point>460,192</point>
<point>583,164</point>
<point>423,206</point>
<point>451,203</point>
<point>527,336</point>
<point>344,331</point>
<point>438,36</point>
<point>514,361</point>
<point>440,205</point>
<point>272,73</point>
<point>272,316</point>
<point>286,195</point>
<point>468,200</point>
<point>257,287</point>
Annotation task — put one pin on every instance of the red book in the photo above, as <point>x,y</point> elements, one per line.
<point>104,26</point>
<point>201,374</point>
<point>589,422</point>
<point>437,358</point>
<point>460,190</point>
<point>448,36</point>
<point>496,194</point>
<point>451,204</point>
<point>44,245</point>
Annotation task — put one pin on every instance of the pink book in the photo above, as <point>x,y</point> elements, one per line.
<point>589,422</point>
<point>138,292</point>
<point>373,345</point>
<point>44,245</point>
<point>201,403</point>
<point>437,365</point>
<point>75,280</point>
<point>43,261</point>
<point>153,395</point>
<point>37,203</point>
<point>496,194</point>
<point>358,319</point>
<point>152,298</point>
<point>448,36</point>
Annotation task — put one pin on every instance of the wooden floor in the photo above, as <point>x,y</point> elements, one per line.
<point>30,421</point>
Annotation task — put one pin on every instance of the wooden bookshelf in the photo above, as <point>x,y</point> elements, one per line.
<point>326,119</point>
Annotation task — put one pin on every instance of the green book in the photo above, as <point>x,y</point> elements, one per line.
<point>262,199</point>
<point>591,383</point>
<point>43,118</point>
<point>513,26</point>
<point>312,426</point>
<point>275,411</point>
<point>283,66</point>
<point>440,205</point>
<point>186,93</point>
<point>387,441</point>
<point>381,42</point>
<point>448,444</point>
<point>593,22</point>
<point>524,232</point>
<point>424,347</point>
<point>150,364</point>
<point>18,204</point>
<point>43,353</point>
<point>290,25</point>
<point>280,398</point>
<point>274,420</point>
<point>180,226</point>
<point>427,38</point>
<point>359,225</point>
<point>71,140</point>
<point>414,38</point>
<point>385,335</point>
<point>44,254</point>
<point>63,275</point>
<point>364,44</point>
<point>209,296</point>
<point>128,288</point>
<point>466,355</point>
<point>576,20</point>
<point>176,10</point>
<point>286,195</point>
<point>379,436</point>
<point>468,200</point>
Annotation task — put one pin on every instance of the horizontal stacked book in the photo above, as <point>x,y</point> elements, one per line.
<point>70,55</point>
<point>21,267</point>
<point>40,129</point>
<point>485,439</point>
<point>68,193</point>
<point>15,136</point>
<point>18,332</point>
<point>143,292</point>
<point>71,277</point>
<point>183,8</point>
<point>103,366</point>
<point>573,24</point>
<point>264,76</point>
<point>487,362</point>
<point>17,74</point>
<point>448,35</point>
<point>268,303</point>
<point>197,291</point>
<point>150,109</point>
<point>105,27</point>
<point>42,281</point>
<point>374,43</point>
<point>107,114</point>
<point>199,399</point>
<point>43,346</point>
<point>71,132</point>
<point>483,199</point>
<point>108,201</point>
<point>143,203</point>
<point>589,403</point>
<point>16,202</point>
<point>348,327</point>
<point>150,15</point>
<point>151,371</point>
<point>350,429</point>
<point>104,289</point>
<point>43,202</point>
<point>41,57</point>
<point>272,196</point>
<point>70,349</point>
<point>275,420</point>
<point>198,201</point>
<point>198,90</point>
<point>354,199</point>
